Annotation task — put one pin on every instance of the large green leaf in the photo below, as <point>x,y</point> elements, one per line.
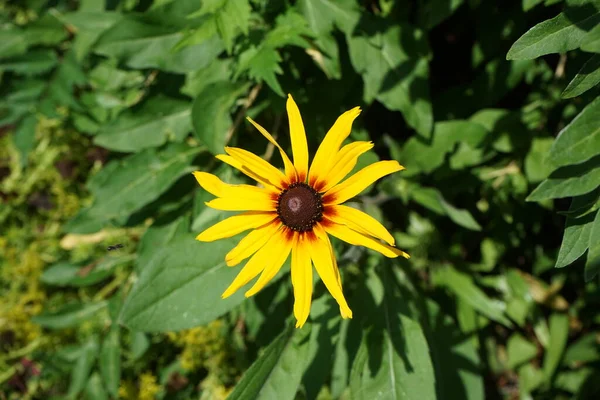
<point>181,287</point>
<point>576,239</point>
<point>321,15</point>
<point>159,120</point>
<point>580,140</point>
<point>276,374</point>
<point>393,361</point>
<point>560,34</point>
<point>137,179</point>
<point>211,114</point>
<point>587,77</point>
<point>569,181</point>
<point>142,44</point>
<point>393,64</point>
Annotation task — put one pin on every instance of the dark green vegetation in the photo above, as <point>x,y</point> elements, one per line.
<point>107,106</point>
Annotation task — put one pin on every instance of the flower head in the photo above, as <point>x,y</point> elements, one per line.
<point>295,210</point>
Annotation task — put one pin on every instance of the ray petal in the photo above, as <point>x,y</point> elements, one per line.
<point>298,139</point>
<point>251,243</point>
<point>323,259</point>
<point>290,171</point>
<point>360,181</point>
<point>236,224</point>
<point>359,221</point>
<point>227,159</point>
<point>344,162</point>
<point>259,166</point>
<point>301,279</point>
<point>330,146</point>
<point>348,235</point>
<point>241,202</point>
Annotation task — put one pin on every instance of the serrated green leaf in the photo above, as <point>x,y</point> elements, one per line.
<point>587,77</point>
<point>159,120</point>
<point>322,15</point>
<point>181,287</point>
<point>233,17</point>
<point>277,372</point>
<point>211,114</point>
<point>69,315</point>
<point>394,67</point>
<point>463,287</point>
<point>138,179</point>
<point>592,265</point>
<point>576,239</point>
<point>262,64</point>
<point>569,181</point>
<point>110,361</point>
<point>580,140</point>
<point>559,333</point>
<point>560,34</point>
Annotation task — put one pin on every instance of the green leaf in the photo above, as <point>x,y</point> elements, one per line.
<point>592,265</point>
<point>82,368</point>
<point>433,12</point>
<point>110,361</point>
<point>157,121</point>
<point>322,15</point>
<point>94,390</point>
<point>181,287</point>
<point>560,34</point>
<point>393,64</point>
<point>569,181</point>
<point>162,232</point>
<point>580,140</point>
<point>277,372</point>
<point>454,356</point>
<point>69,315</point>
<point>230,16</point>
<point>461,217</point>
<point>34,62</point>
<point>24,137</point>
<point>141,44</point>
<point>519,350</point>
<point>393,361</point>
<point>89,25</point>
<point>195,82</point>
<point>559,333</point>
<point>67,274</point>
<point>585,349</point>
<point>463,287</point>
<point>587,77</point>
<point>138,179</point>
<point>537,167</point>
<point>576,239</point>
<point>139,344</point>
<point>591,41</point>
<point>12,43</point>
<point>211,114</point>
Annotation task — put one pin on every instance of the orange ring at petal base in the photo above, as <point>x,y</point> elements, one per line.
<point>295,210</point>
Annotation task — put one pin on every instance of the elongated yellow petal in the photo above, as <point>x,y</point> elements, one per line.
<point>259,166</point>
<point>344,162</point>
<point>348,235</point>
<point>360,181</point>
<point>236,224</point>
<point>298,139</point>
<point>323,259</point>
<point>251,243</point>
<point>328,149</point>
<point>259,261</point>
<point>301,279</point>
<point>242,203</point>
<point>359,221</point>
<point>212,184</point>
<point>279,253</point>
<point>290,171</point>
<point>227,159</point>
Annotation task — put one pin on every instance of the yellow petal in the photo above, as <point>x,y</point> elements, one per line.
<point>328,149</point>
<point>236,224</point>
<point>227,159</point>
<point>344,162</point>
<point>259,261</point>
<point>348,235</point>
<point>241,203</point>
<point>298,139</point>
<point>279,253</point>
<point>301,280</point>
<point>323,258</point>
<point>251,243</point>
<point>212,184</point>
<point>359,221</point>
<point>360,181</point>
<point>259,166</point>
<point>290,171</point>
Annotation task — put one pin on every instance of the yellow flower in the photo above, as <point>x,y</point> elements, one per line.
<point>294,211</point>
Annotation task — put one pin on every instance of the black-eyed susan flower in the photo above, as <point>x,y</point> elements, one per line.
<point>294,211</point>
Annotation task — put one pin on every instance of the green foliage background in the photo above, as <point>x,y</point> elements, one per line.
<point>107,106</point>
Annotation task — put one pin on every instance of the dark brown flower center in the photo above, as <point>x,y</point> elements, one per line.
<point>300,207</point>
